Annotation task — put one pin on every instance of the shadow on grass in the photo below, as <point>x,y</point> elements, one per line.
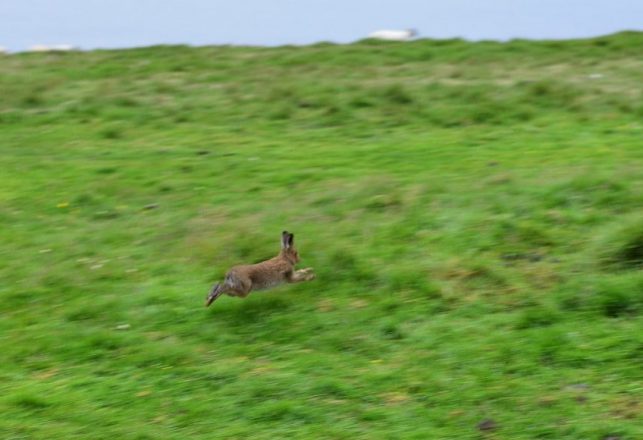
<point>251,311</point>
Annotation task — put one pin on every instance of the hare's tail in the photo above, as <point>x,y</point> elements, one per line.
<point>216,292</point>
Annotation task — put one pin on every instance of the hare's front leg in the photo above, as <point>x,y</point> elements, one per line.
<point>302,275</point>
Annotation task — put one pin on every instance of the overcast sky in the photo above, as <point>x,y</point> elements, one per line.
<point>126,23</point>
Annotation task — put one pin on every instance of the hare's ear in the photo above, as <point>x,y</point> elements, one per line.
<point>291,240</point>
<point>285,240</point>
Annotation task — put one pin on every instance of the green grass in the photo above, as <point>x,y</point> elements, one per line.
<point>472,210</point>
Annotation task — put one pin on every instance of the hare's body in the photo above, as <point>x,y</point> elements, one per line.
<point>241,280</point>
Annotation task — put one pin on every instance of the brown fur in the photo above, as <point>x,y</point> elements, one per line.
<point>241,280</point>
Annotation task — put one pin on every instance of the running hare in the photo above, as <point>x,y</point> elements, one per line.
<point>241,280</point>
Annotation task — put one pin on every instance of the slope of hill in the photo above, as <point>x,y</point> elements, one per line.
<point>473,212</point>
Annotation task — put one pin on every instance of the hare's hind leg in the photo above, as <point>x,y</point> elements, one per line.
<point>302,275</point>
<point>240,287</point>
<point>217,291</point>
<point>238,284</point>
<point>232,285</point>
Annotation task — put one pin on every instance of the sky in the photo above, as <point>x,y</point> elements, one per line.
<point>90,24</point>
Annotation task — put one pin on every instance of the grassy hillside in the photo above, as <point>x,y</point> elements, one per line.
<point>473,212</point>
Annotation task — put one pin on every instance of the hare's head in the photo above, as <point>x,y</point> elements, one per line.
<point>288,247</point>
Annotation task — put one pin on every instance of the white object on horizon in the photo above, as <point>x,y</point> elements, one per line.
<point>39,48</point>
<point>54,48</point>
<point>62,47</point>
<point>393,35</point>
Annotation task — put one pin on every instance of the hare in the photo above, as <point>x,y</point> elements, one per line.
<point>241,280</point>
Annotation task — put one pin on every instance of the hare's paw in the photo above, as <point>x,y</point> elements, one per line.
<point>308,273</point>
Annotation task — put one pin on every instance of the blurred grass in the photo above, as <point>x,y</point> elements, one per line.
<point>473,212</point>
